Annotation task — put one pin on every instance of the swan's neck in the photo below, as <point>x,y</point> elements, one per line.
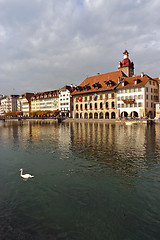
<point>21,171</point>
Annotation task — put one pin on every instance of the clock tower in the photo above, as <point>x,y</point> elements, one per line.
<point>126,66</point>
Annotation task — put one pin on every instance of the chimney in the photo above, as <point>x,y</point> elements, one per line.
<point>142,74</point>
<point>98,73</point>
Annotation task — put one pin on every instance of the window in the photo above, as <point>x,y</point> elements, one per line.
<point>101,105</point>
<point>95,106</point>
<point>135,104</point>
<point>90,98</point>
<point>140,96</point>
<point>139,104</point>
<point>118,105</point>
<point>146,89</point>
<point>106,95</point>
<point>101,97</point>
<point>112,104</point>
<point>85,99</point>
<point>151,89</point>
<point>147,96</point>
<point>122,105</point>
<point>85,106</point>
<point>76,106</point>
<point>139,89</point>
<point>112,95</point>
<point>90,106</point>
<point>118,98</point>
<point>106,104</point>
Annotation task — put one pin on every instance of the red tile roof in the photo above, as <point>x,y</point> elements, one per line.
<point>130,81</point>
<point>99,83</point>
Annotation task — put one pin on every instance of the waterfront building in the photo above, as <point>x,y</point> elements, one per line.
<point>9,104</point>
<point>95,97</point>
<point>45,101</point>
<point>65,101</point>
<point>136,96</point>
<point>24,104</point>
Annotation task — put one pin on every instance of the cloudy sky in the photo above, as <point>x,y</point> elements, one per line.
<point>46,44</point>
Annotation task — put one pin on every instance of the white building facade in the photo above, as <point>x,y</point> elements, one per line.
<point>136,97</point>
<point>65,101</point>
<point>9,104</point>
<point>24,104</point>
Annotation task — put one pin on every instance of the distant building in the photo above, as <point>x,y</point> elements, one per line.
<point>65,101</point>
<point>45,101</point>
<point>24,103</point>
<point>9,104</point>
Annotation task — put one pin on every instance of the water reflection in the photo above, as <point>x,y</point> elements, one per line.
<point>124,149</point>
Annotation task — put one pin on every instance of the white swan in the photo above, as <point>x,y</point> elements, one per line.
<point>25,176</point>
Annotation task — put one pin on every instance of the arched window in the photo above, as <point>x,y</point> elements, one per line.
<point>101,115</point>
<point>113,115</point>
<point>107,115</point>
<point>96,116</point>
<point>106,104</point>
<point>90,106</point>
<point>90,115</point>
<point>112,104</point>
<point>95,106</point>
<point>86,115</point>
<point>86,106</point>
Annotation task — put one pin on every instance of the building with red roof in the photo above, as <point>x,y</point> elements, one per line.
<point>116,94</point>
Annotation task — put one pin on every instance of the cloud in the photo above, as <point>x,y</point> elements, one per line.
<point>45,44</point>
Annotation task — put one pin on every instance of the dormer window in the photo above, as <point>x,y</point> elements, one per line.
<point>109,83</point>
<point>97,85</point>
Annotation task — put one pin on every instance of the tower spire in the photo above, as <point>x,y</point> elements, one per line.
<point>126,66</point>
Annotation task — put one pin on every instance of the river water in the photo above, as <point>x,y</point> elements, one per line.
<point>93,181</point>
